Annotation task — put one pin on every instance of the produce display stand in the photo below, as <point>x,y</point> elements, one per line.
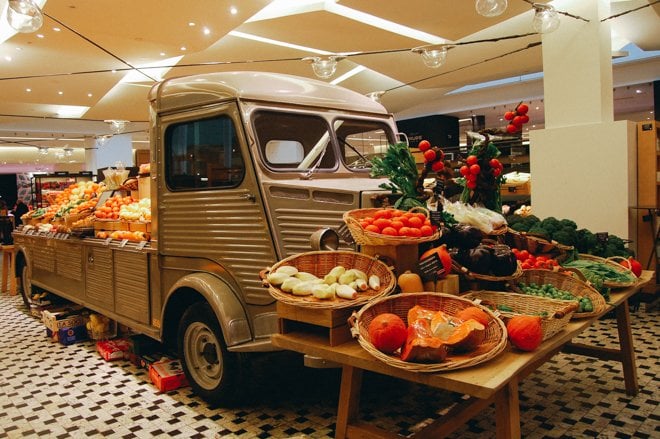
<point>495,381</point>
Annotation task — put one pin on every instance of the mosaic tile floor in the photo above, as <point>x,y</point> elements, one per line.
<point>56,391</point>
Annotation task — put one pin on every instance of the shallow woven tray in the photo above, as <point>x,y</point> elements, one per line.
<point>364,237</point>
<point>567,282</point>
<point>559,312</point>
<point>537,245</point>
<point>458,268</point>
<point>320,263</point>
<point>613,263</point>
<point>399,304</point>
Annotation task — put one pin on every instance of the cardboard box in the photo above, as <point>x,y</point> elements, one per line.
<point>167,375</point>
<point>67,336</point>
<point>147,360</point>
<point>112,350</point>
<point>516,188</point>
<point>144,186</point>
<point>59,318</point>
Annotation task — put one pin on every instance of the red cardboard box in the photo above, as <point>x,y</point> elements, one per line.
<point>167,375</point>
<point>113,349</point>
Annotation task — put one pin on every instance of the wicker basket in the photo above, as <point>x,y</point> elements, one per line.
<point>399,304</point>
<point>555,314</point>
<point>320,263</point>
<point>71,218</point>
<point>364,237</point>
<point>460,269</point>
<point>566,282</point>
<point>612,262</point>
<point>537,245</point>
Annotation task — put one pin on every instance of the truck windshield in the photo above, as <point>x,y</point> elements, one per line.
<point>302,142</point>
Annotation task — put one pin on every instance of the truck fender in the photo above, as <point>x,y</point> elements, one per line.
<point>227,308</point>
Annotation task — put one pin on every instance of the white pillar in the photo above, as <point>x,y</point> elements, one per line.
<point>90,154</point>
<point>583,163</point>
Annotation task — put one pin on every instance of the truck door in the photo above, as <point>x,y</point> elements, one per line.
<point>209,204</point>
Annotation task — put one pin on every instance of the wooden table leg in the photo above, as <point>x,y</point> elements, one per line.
<point>627,348</point>
<point>349,399</point>
<point>507,411</point>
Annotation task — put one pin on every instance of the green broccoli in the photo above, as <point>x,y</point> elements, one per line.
<point>565,236</point>
<point>537,229</point>
<point>585,241</point>
<point>568,223</point>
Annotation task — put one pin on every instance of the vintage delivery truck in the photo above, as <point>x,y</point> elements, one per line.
<point>245,168</point>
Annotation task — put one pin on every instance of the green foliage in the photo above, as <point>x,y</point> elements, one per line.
<point>398,164</point>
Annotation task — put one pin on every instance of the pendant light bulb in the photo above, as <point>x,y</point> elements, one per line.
<point>546,19</point>
<point>375,95</point>
<point>324,68</point>
<point>490,8</point>
<point>24,16</point>
<point>432,56</point>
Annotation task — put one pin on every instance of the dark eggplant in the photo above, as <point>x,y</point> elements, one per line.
<point>480,259</point>
<point>467,236</point>
<point>504,262</point>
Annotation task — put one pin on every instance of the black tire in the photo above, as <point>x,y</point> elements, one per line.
<point>212,371</point>
<point>26,286</point>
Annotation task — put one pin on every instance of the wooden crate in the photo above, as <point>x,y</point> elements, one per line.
<point>516,188</point>
<point>333,323</point>
<point>110,225</point>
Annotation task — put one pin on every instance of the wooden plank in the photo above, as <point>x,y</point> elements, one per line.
<point>349,399</point>
<point>627,348</point>
<point>458,415</point>
<point>601,353</point>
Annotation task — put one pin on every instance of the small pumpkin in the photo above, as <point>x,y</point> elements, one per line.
<point>410,282</point>
<point>525,332</point>
<point>387,332</point>
<point>473,312</point>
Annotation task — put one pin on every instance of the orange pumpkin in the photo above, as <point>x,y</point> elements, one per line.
<point>443,255</point>
<point>467,336</point>
<point>473,312</point>
<point>525,332</point>
<point>410,282</point>
<point>387,332</point>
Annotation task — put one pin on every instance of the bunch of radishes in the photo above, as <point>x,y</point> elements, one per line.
<point>517,118</point>
<point>433,156</point>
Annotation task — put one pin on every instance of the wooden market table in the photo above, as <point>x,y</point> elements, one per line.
<point>495,381</point>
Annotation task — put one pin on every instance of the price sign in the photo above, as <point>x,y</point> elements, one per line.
<point>430,268</point>
<point>602,237</point>
<point>123,243</point>
<point>345,234</point>
<point>50,235</point>
<point>107,241</point>
<point>141,245</point>
<point>436,217</point>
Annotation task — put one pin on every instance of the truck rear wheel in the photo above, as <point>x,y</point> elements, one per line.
<point>213,372</point>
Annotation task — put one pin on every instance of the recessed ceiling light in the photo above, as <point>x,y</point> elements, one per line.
<point>183,48</point>
<point>40,35</point>
<point>233,10</point>
<point>537,108</point>
<point>7,58</point>
<point>19,48</point>
<point>162,53</point>
<point>28,90</point>
<point>638,91</point>
<point>191,23</point>
<point>57,29</point>
<point>60,92</point>
<point>89,95</point>
<point>206,31</point>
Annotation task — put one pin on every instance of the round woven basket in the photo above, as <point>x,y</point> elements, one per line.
<point>612,262</point>
<point>537,245</point>
<point>566,282</point>
<point>364,237</point>
<point>399,304</point>
<point>319,263</point>
<point>555,314</point>
<point>458,268</point>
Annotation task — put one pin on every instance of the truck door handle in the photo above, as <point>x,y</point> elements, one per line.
<point>249,197</point>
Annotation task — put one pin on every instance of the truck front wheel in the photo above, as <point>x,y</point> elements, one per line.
<point>213,372</point>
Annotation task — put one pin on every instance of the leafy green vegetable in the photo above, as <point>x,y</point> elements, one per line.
<point>399,166</point>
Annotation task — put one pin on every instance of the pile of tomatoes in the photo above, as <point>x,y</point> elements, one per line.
<point>529,261</point>
<point>395,222</point>
<point>516,118</point>
<point>110,209</point>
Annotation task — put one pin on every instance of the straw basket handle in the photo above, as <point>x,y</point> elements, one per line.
<point>617,259</point>
<point>352,324</point>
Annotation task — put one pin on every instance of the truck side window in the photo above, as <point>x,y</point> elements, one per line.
<point>203,154</point>
<point>293,141</point>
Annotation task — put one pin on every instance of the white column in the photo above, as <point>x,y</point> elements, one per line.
<point>583,163</point>
<point>90,154</point>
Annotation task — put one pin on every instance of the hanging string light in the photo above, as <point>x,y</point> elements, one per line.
<point>490,8</point>
<point>432,56</point>
<point>324,67</point>
<point>24,16</point>
<point>546,19</point>
<point>117,126</point>
<point>375,95</point>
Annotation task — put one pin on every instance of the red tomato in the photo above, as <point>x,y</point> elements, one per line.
<point>471,160</point>
<point>429,155</point>
<point>494,163</point>
<point>524,254</point>
<point>522,109</point>
<point>415,222</point>
<point>471,184</point>
<point>437,166</point>
<point>389,231</point>
<point>426,230</point>
<point>517,121</point>
<point>509,115</point>
<point>465,170</point>
<point>511,128</point>
<point>423,145</point>
<point>372,228</point>
<point>475,169</point>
